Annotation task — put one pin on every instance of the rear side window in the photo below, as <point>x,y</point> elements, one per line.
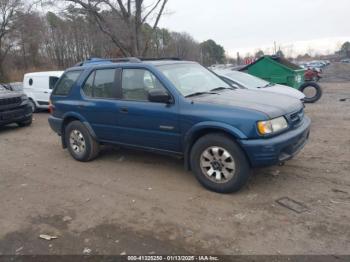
<point>101,84</point>
<point>66,83</point>
<point>52,81</point>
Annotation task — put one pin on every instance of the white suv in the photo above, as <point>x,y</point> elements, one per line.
<point>38,86</point>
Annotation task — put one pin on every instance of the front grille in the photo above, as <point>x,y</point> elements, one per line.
<point>9,115</point>
<point>296,118</point>
<point>10,101</point>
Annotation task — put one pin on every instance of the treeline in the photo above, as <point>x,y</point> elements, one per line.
<point>35,41</point>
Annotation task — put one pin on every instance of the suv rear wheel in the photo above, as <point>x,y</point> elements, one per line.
<point>219,164</point>
<point>81,145</point>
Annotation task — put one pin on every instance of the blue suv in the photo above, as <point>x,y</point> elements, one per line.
<point>177,108</point>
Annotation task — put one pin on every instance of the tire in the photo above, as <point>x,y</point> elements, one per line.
<point>27,122</point>
<point>207,145</point>
<point>318,92</point>
<point>81,145</point>
<point>32,105</point>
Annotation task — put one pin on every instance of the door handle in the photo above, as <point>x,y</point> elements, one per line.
<point>46,92</point>
<point>124,110</point>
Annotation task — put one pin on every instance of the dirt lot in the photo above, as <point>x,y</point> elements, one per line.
<point>140,203</point>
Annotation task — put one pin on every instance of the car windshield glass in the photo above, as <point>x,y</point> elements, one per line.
<point>247,80</point>
<point>3,87</point>
<point>193,78</point>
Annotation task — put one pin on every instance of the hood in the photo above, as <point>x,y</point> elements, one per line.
<point>271,104</point>
<point>285,90</point>
<point>9,94</point>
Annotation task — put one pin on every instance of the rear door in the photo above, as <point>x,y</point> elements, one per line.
<point>141,122</point>
<point>99,104</point>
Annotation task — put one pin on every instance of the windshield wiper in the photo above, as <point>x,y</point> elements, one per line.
<point>222,88</point>
<point>5,87</point>
<point>201,93</point>
<point>268,85</point>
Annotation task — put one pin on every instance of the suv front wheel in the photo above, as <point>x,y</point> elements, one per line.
<point>81,145</point>
<point>219,164</point>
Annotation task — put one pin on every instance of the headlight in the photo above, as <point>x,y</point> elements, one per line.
<point>272,126</point>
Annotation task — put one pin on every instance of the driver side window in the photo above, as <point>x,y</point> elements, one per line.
<point>136,83</point>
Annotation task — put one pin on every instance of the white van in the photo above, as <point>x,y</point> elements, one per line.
<point>38,86</point>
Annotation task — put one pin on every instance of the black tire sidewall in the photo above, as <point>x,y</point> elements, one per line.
<point>33,105</point>
<point>77,125</point>
<point>318,91</point>
<point>26,122</point>
<point>241,163</point>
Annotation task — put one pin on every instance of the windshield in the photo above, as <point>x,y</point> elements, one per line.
<point>247,80</point>
<point>192,78</point>
<point>2,87</point>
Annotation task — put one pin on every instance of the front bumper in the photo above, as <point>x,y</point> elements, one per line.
<point>15,115</point>
<point>272,151</point>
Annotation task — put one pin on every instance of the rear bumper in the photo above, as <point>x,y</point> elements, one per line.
<point>15,115</point>
<point>272,151</point>
<point>56,124</point>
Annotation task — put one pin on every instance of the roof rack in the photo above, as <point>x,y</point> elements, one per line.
<point>126,59</point>
<point>161,58</point>
<point>95,60</point>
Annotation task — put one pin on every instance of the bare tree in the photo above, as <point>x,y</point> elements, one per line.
<point>183,45</point>
<point>8,12</point>
<point>134,14</point>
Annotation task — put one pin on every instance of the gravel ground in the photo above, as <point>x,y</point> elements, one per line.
<point>128,202</point>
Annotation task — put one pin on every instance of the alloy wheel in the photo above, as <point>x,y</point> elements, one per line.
<point>217,164</point>
<point>77,142</point>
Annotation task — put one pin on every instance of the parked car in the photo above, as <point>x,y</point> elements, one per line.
<point>14,107</point>
<point>177,108</point>
<point>316,65</point>
<point>281,71</point>
<point>345,61</point>
<point>38,86</point>
<point>312,75</point>
<point>244,80</point>
<point>17,86</point>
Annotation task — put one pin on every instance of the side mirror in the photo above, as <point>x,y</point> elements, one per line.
<point>159,96</point>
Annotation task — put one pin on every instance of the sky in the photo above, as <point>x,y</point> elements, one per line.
<point>245,26</point>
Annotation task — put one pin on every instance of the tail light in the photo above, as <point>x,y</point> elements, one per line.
<point>50,107</point>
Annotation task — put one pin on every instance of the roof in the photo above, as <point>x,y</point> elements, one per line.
<point>45,73</point>
<point>130,61</point>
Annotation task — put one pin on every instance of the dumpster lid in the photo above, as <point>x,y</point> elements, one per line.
<point>285,62</point>
<point>277,59</point>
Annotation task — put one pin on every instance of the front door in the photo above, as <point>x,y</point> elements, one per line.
<point>141,122</point>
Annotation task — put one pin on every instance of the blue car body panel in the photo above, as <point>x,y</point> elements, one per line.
<point>171,128</point>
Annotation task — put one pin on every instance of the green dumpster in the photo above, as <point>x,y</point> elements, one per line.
<point>279,70</point>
